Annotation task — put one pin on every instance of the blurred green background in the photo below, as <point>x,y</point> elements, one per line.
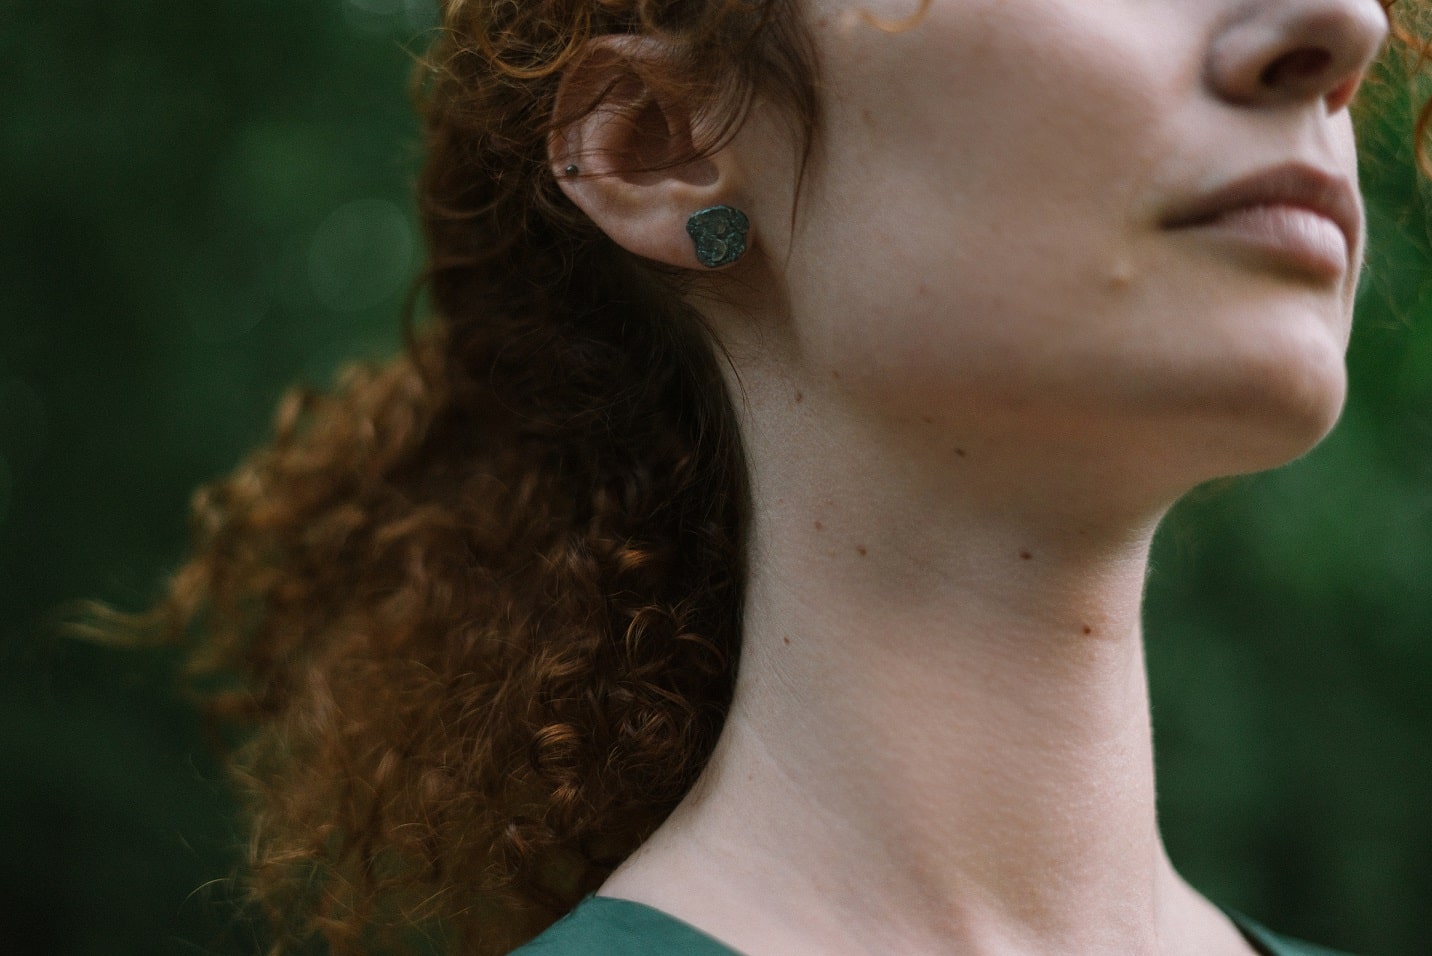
<point>202,203</point>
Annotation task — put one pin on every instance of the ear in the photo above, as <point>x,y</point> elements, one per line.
<point>623,147</point>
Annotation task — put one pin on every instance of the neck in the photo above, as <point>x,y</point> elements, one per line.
<point>940,738</point>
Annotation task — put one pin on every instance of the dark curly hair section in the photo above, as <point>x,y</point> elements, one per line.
<point>484,657</point>
<point>475,612</point>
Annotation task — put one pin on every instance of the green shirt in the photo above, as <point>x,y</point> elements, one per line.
<point>603,926</point>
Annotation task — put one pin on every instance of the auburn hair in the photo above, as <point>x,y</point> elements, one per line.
<point>476,610</point>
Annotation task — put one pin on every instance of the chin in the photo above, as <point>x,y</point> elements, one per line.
<point>1278,405</point>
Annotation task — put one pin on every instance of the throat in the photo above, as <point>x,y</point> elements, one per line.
<point>941,785</point>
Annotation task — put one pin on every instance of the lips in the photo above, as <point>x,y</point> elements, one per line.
<point>1287,210</point>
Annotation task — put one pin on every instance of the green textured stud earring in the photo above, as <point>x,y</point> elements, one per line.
<point>720,235</point>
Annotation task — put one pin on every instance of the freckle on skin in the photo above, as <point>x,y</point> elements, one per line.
<point>786,639</point>
<point>819,526</point>
<point>860,550</point>
<point>1025,555</point>
<point>1088,629</point>
<point>799,397</point>
<point>835,375</point>
<point>960,452</point>
<point>927,419</point>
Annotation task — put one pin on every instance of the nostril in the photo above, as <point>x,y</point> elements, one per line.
<point>1283,53</point>
<point>1296,67</point>
<point>1343,94</point>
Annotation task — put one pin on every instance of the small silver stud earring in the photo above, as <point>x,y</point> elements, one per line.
<point>719,233</point>
<point>571,170</point>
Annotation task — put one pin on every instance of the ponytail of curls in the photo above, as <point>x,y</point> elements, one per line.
<point>482,602</point>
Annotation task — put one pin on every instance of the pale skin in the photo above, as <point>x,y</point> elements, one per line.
<point>972,377</point>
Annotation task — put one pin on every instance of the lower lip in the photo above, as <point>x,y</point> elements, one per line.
<point>1301,238</point>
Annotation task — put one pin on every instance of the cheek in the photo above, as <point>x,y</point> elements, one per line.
<point>977,168</point>
<point>974,262</point>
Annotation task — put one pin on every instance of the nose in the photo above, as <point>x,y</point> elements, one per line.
<point>1274,52</point>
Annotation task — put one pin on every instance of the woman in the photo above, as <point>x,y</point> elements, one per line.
<point>865,342</point>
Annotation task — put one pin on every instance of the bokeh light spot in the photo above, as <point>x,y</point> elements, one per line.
<point>360,255</point>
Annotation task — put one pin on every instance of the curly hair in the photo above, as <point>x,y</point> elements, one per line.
<point>478,608</point>
<point>481,603</point>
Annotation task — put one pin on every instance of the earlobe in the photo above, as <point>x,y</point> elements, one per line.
<point>627,151</point>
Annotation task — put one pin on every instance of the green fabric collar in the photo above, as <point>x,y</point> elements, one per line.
<point>605,926</point>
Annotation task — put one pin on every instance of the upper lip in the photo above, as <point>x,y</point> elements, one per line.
<point>1290,184</point>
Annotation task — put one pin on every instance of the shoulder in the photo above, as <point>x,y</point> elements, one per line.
<point>605,926</point>
<point>1273,944</point>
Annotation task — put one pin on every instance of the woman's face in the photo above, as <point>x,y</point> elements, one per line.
<point>984,235</point>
